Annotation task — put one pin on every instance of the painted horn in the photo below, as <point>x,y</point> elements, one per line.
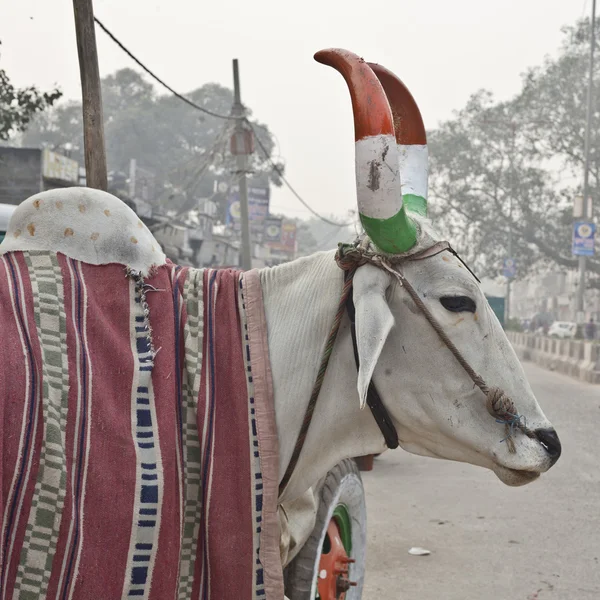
<point>377,177</point>
<point>411,139</point>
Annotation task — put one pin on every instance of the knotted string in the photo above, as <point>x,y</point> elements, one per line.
<point>498,404</point>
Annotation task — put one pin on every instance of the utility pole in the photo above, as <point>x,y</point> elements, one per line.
<point>513,145</point>
<point>93,122</point>
<point>241,147</point>
<point>512,125</point>
<point>509,252</point>
<point>132,170</point>
<point>586,168</point>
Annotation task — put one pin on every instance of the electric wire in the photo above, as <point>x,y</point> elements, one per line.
<point>219,116</point>
<point>158,79</point>
<point>282,176</point>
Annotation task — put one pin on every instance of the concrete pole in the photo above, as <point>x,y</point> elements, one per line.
<point>132,170</point>
<point>242,168</point>
<point>586,168</point>
<point>93,122</point>
<point>509,249</point>
<point>508,279</point>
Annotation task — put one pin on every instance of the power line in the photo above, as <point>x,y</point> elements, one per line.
<point>219,116</point>
<point>280,173</point>
<point>158,79</point>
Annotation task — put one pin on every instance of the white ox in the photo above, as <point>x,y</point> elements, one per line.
<point>435,407</point>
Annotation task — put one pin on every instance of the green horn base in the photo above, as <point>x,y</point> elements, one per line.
<point>415,204</point>
<point>395,235</point>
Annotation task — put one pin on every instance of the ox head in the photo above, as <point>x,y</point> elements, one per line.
<point>436,408</point>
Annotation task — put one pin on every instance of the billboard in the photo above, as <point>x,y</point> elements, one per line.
<point>272,229</point>
<point>258,208</point>
<point>288,238</point>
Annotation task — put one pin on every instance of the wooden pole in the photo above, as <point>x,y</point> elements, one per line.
<point>242,168</point>
<point>93,122</point>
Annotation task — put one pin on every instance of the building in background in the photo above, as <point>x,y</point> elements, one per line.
<point>191,237</point>
<point>28,171</point>
<point>553,293</point>
<point>220,252</point>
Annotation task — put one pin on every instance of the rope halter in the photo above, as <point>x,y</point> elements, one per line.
<point>498,404</point>
<point>349,258</point>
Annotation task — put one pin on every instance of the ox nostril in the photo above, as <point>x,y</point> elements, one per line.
<point>549,439</point>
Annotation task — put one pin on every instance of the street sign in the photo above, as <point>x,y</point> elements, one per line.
<point>509,268</point>
<point>583,238</point>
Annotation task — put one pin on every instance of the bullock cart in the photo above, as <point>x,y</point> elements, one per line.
<point>158,430</point>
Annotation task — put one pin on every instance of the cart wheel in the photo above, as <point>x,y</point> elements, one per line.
<point>331,564</point>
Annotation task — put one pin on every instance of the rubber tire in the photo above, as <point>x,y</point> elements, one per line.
<point>342,485</point>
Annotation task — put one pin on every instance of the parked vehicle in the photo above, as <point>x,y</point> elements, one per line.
<point>563,330</point>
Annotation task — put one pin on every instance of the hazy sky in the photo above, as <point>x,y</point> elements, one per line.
<point>443,50</point>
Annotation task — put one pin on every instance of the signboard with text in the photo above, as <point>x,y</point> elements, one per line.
<point>258,208</point>
<point>288,238</point>
<point>583,238</point>
<point>273,229</point>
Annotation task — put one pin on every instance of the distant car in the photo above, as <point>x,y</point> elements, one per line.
<point>6,211</point>
<point>563,330</point>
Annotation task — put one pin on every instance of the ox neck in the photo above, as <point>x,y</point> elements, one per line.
<point>301,299</point>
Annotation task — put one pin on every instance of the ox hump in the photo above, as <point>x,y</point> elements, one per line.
<point>84,224</point>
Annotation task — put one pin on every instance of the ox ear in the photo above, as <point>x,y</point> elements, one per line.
<point>374,321</point>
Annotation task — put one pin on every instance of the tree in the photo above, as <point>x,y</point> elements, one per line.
<point>486,181</point>
<point>19,105</point>
<point>185,149</point>
<point>526,153</point>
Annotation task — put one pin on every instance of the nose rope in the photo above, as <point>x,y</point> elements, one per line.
<point>498,403</point>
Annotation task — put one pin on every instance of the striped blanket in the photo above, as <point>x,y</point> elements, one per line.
<point>139,449</point>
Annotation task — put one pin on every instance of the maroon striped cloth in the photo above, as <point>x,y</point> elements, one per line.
<point>139,449</point>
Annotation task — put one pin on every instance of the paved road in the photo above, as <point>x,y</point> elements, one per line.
<point>488,541</point>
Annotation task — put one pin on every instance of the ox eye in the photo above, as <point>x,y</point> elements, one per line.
<point>458,304</point>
